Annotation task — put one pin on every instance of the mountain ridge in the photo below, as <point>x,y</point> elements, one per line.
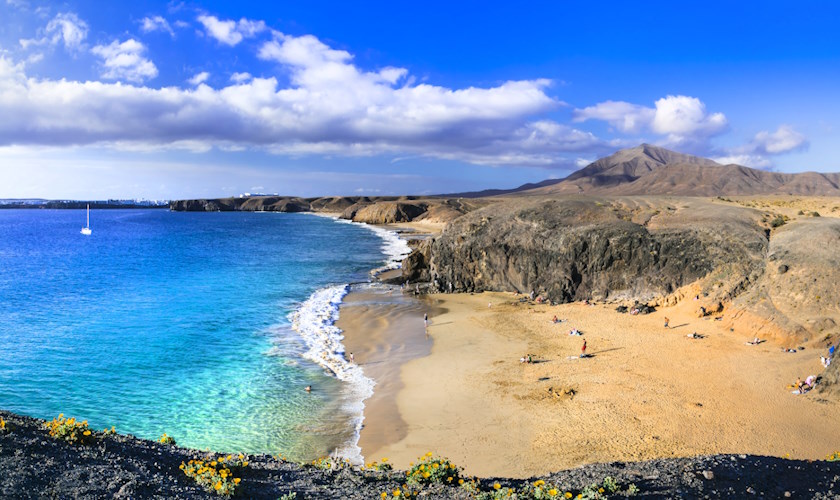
<point>653,170</point>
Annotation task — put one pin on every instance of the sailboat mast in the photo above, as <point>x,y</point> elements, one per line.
<point>88,215</point>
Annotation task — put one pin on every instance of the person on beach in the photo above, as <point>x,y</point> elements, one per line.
<point>352,358</point>
<point>583,349</point>
<point>666,321</point>
<point>425,320</point>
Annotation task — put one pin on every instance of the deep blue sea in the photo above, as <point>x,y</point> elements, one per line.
<point>205,326</point>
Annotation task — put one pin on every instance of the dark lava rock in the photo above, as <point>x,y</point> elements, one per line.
<point>34,465</point>
<point>573,249</point>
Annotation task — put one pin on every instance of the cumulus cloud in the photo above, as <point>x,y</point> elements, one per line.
<point>746,160</point>
<point>240,77</point>
<point>125,61</point>
<point>682,119</point>
<point>784,140</point>
<point>199,78</point>
<point>755,153</point>
<point>624,116</point>
<point>156,23</point>
<point>330,106</point>
<point>230,32</point>
<point>64,28</point>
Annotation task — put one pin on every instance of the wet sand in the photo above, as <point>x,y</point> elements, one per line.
<point>646,392</point>
<point>384,330</point>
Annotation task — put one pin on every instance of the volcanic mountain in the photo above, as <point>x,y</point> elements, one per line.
<point>652,170</point>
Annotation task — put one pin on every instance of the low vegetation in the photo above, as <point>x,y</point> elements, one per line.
<point>219,475</point>
<point>70,430</point>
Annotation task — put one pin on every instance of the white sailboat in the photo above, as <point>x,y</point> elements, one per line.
<point>86,230</point>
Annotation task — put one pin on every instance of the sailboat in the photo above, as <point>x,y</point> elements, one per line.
<point>86,230</point>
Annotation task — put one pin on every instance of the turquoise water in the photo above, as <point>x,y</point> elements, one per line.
<point>178,323</point>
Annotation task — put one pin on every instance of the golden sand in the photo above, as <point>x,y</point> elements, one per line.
<point>646,392</point>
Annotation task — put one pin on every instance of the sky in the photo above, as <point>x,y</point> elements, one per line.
<point>169,100</point>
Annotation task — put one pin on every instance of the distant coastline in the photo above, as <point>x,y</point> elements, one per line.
<point>30,203</point>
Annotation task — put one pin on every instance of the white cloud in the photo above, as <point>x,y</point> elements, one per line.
<point>199,78</point>
<point>156,23</point>
<point>755,153</point>
<point>624,116</point>
<point>64,28</point>
<point>240,77</point>
<point>682,119</point>
<point>746,160</point>
<point>125,61</point>
<point>784,140</point>
<point>329,107</point>
<point>230,32</point>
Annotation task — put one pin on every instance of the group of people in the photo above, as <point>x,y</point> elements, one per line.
<point>803,387</point>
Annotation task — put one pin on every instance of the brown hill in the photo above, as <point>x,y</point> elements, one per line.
<point>652,170</point>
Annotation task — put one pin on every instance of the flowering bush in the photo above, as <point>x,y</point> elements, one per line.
<point>834,457</point>
<point>433,470</point>
<point>166,439</point>
<point>70,430</point>
<point>216,475</point>
<point>3,425</point>
<point>382,467</point>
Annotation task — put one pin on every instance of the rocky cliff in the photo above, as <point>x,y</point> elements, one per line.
<point>579,248</point>
<point>34,465</point>
<point>377,210</point>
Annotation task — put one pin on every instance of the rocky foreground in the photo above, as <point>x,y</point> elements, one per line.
<point>35,465</point>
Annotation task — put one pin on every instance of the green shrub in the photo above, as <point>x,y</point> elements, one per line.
<point>216,475</point>
<point>778,221</point>
<point>70,430</point>
<point>166,439</point>
<point>433,470</point>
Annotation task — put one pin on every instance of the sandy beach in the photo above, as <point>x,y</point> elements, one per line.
<point>646,391</point>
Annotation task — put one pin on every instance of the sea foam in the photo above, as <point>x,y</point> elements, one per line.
<point>315,321</point>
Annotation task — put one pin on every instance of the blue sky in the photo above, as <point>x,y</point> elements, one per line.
<point>183,99</point>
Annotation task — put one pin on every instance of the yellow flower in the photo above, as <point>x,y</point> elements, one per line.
<point>496,486</point>
<point>241,456</point>
<point>460,481</point>
<point>429,454</point>
<point>435,466</point>
<point>213,463</point>
<point>396,493</point>
<point>539,483</point>
<point>236,480</point>
<point>244,464</point>
<point>384,460</point>
<point>600,490</point>
<point>422,467</point>
<point>218,485</point>
<point>384,495</point>
<point>426,475</point>
<point>568,495</point>
<point>552,492</point>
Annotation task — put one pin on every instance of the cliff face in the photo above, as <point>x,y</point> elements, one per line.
<point>572,249</point>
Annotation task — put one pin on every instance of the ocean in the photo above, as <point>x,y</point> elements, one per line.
<point>204,326</point>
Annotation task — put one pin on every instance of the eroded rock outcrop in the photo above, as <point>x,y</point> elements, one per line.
<point>575,248</point>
